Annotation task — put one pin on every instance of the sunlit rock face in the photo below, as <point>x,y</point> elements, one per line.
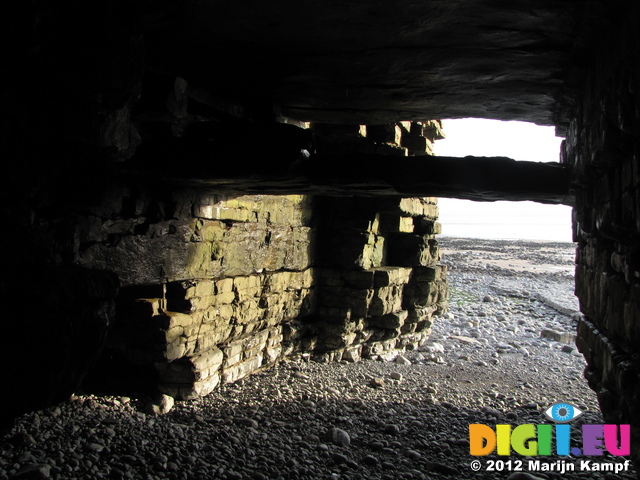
<point>215,287</point>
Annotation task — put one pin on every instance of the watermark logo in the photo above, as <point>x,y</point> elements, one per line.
<point>540,440</point>
<point>562,412</point>
<point>546,439</point>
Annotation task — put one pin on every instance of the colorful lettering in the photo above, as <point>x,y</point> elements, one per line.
<point>611,440</point>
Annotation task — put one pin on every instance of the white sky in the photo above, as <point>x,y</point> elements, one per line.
<point>488,138</point>
<point>492,138</point>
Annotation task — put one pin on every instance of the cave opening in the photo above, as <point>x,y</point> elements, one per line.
<point>125,126</point>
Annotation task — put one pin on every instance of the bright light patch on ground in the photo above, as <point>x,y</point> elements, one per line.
<point>502,220</point>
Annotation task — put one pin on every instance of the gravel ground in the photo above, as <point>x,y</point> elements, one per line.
<point>486,363</point>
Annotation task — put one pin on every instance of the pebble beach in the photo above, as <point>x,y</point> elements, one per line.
<point>502,354</point>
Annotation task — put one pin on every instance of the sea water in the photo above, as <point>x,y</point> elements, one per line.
<point>502,220</point>
<point>505,220</point>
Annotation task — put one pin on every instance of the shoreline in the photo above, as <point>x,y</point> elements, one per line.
<point>520,256</point>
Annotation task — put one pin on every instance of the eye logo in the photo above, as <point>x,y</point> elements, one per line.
<point>562,412</point>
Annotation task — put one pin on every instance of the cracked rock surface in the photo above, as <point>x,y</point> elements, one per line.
<point>486,362</point>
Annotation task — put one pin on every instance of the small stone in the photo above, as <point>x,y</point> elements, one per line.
<point>370,460</point>
<point>338,458</point>
<point>38,471</point>
<point>161,459</point>
<point>567,349</point>
<point>391,429</point>
<point>159,405</point>
<point>93,447</point>
<point>401,360</point>
<point>435,348</point>
<point>338,437</point>
<point>561,337</point>
<point>396,376</point>
<point>412,454</point>
<point>376,382</point>
<point>376,446</point>
<point>247,422</point>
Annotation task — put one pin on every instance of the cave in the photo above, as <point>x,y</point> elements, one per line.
<point>202,189</point>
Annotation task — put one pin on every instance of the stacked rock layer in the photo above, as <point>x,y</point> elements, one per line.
<point>216,287</point>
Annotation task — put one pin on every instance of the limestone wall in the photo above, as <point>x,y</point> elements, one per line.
<point>379,290</point>
<point>604,147</point>
<point>216,287</point>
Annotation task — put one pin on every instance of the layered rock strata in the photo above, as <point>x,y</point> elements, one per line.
<point>216,287</point>
<point>603,147</point>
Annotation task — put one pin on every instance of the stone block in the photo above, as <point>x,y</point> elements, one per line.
<point>247,312</point>
<point>562,337</point>
<point>423,325</point>
<point>352,354</point>
<point>359,279</point>
<point>390,321</point>
<point>174,319</point>
<point>205,386</point>
<point>428,274</point>
<point>224,285</point>
<point>408,328</point>
<point>412,206</point>
<point>417,145</point>
<point>356,300</point>
<point>350,324</point>
<point>364,336</point>
<point>386,133</point>
<point>382,334</point>
<point>385,300</point>
<point>409,250</point>
<point>378,348</point>
<point>420,295</point>
<point>241,370</point>
<point>426,226</point>
<point>272,354</point>
<point>386,276</point>
<point>176,349</point>
<point>207,360</point>
<point>357,250</point>
<point>415,315</point>
<point>247,287</point>
<point>395,223</point>
<point>335,342</point>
